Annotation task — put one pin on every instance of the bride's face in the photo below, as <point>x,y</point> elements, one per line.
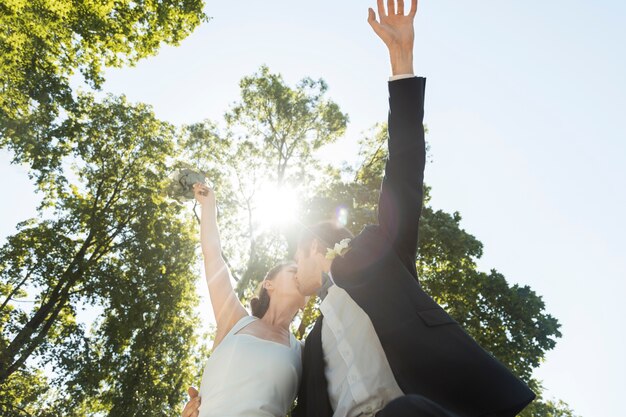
<point>284,285</point>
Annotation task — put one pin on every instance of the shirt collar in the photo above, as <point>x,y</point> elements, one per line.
<point>327,282</point>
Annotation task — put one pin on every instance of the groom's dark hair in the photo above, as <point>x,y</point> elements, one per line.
<point>327,234</point>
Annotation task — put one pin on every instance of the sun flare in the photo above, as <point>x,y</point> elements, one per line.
<point>276,206</point>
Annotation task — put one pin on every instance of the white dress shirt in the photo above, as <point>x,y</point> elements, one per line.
<point>401,76</point>
<point>360,380</point>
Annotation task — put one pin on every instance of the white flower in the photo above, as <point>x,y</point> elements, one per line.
<point>340,249</point>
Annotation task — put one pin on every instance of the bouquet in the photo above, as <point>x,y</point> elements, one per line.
<point>180,187</point>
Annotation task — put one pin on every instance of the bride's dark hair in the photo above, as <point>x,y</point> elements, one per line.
<point>261,302</point>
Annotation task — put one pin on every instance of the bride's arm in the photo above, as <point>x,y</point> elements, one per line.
<point>226,306</point>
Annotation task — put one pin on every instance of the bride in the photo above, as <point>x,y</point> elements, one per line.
<point>255,366</point>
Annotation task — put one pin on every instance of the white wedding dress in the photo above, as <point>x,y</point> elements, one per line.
<point>249,376</point>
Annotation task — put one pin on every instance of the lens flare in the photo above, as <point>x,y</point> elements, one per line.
<point>342,216</point>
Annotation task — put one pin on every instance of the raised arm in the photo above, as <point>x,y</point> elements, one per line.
<point>402,192</point>
<point>226,306</point>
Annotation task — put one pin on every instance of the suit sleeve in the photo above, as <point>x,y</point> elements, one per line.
<point>402,191</point>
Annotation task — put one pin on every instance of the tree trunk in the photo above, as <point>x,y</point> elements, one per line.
<point>23,343</point>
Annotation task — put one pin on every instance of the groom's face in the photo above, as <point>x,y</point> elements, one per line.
<point>309,275</point>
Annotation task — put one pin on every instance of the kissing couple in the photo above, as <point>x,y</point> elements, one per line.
<point>381,346</point>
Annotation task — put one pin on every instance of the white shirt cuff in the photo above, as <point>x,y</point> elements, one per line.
<point>400,77</point>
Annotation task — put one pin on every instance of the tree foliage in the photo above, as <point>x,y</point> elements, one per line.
<point>44,42</point>
<point>108,242</point>
<point>286,125</point>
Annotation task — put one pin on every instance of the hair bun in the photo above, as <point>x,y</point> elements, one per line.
<point>255,306</point>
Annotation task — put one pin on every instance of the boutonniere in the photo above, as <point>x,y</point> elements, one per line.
<point>340,249</point>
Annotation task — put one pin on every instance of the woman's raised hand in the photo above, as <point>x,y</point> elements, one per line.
<point>203,194</point>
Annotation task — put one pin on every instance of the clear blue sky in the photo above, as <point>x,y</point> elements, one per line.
<point>526,104</point>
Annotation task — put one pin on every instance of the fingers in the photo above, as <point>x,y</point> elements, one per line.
<point>193,393</point>
<point>202,189</point>
<point>381,9</point>
<point>192,409</point>
<point>393,10</point>
<point>371,19</point>
<point>413,8</point>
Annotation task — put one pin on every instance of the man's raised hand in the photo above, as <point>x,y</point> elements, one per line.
<point>396,31</point>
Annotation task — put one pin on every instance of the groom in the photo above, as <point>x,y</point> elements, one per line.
<point>382,346</point>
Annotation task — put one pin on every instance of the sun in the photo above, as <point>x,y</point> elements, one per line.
<point>276,205</point>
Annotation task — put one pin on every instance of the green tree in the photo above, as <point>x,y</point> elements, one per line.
<point>107,241</point>
<point>44,42</point>
<point>285,125</point>
<point>24,391</point>
<point>269,138</point>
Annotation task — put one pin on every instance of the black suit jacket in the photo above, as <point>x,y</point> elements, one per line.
<point>429,353</point>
